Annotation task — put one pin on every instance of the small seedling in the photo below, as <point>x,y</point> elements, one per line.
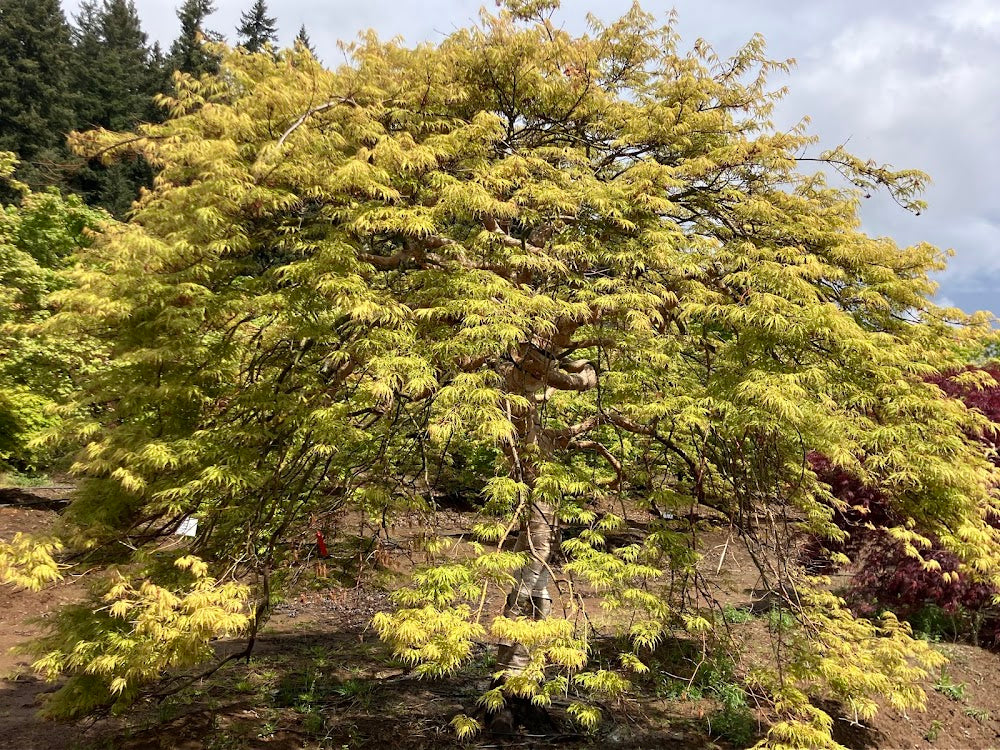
<point>933,731</point>
<point>949,689</point>
<point>979,714</point>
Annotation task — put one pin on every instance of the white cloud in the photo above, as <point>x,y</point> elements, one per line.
<point>973,16</point>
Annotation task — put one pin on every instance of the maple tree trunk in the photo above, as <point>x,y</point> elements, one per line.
<point>537,373</point>
<point>529,596</point>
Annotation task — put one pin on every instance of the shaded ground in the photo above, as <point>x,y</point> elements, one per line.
<point>320,678</point>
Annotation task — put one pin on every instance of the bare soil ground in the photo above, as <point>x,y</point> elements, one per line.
<point>320,678</point>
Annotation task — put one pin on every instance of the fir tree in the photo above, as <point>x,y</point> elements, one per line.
<point>257,29</point>
<point>87,48</point>
<point>115,80</point>
<point>592,263</point>
<point>161,73</point>
<point>302,38</point>
<point>36,106</point>
<point>89,102</point>
<point>187,52</point>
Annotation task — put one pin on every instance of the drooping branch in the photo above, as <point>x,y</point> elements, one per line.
<point>638,429</point>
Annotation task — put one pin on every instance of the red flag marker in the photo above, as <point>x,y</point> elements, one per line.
<point>321,543</point>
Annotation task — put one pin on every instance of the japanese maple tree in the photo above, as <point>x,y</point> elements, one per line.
<point>590,261</point>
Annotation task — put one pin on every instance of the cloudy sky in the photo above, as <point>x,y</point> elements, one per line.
<point>915,83</point>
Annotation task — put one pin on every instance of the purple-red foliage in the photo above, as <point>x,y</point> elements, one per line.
<point>892,579</point>
<point>985,400</point>
<point>887,578</point>
<point>864,505</point>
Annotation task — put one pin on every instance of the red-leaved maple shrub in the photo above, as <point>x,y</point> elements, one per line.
<point>886,577</point>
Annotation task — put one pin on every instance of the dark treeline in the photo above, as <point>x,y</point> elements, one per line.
<point>97,69</point>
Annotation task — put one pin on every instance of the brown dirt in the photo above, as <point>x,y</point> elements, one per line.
<point>22,614</point>
<point>320,678</point>
<point>967,716</point>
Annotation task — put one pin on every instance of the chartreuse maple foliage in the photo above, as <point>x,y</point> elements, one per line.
<point>589,263</point>
<point>143,629</point>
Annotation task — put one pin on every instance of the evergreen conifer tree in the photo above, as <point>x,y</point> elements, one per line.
<point>187,52</point>
<point>36,105</point>
<point>257,29</point>
<point>303,38</point>
<point>114,81</point>
<point>87,49</point>
<point>113,76</point>
<point>161,72</point>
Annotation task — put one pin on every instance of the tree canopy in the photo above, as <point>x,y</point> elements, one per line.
<point>257,29</point>
<point>115,77</point>
<point>40,235</point>
<point>187,53</point>
<point>36,111</point>
<point>589,267</point>
<point>55,78</point>
<point>302,37</point>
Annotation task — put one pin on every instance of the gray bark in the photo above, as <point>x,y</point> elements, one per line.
<point>529,596</point>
